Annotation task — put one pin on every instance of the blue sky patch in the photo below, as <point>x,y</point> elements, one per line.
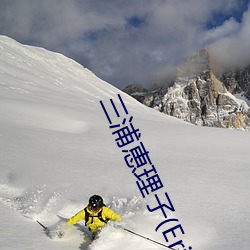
<point>219,17</point>
<point>136,21</point>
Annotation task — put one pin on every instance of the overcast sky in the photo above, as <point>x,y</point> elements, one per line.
<point>131,41</point>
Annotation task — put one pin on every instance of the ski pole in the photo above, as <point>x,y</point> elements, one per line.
<point>45,228</point>
<point>147,238</point>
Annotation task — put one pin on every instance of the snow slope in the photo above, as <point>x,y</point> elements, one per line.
<point>57,150</point>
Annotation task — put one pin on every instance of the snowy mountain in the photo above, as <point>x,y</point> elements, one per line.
<point>202,95</point>
<point>57,150</point>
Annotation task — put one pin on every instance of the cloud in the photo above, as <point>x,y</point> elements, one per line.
<point>233,49</point>
<point>125,42</point>
<point>228,28</point>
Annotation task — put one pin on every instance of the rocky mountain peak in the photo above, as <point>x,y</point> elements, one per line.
<point>196,64</point>
<point>202,97</point>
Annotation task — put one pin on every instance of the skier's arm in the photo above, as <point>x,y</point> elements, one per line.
<point>77,217</point>
<point>110,214</point>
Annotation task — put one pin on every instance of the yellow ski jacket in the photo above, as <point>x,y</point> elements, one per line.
<point>94,223</point>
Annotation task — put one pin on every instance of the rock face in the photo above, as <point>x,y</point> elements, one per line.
<point>237,81</point>
<point>201,97</point>
<point>136,90</point>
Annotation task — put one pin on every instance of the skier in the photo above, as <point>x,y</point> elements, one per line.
<point>95,214</point>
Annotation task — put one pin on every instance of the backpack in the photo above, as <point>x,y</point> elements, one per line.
<point>99,216</point>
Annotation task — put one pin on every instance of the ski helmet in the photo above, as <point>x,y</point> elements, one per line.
<point>95,202</point>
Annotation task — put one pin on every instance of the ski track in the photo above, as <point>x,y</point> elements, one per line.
<point>39,204</point>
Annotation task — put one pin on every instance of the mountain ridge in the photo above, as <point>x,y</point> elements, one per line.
<point>201,95</point>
